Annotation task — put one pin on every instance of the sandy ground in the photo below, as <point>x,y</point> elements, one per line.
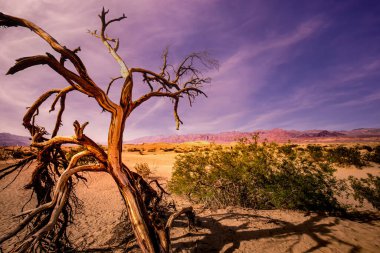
<point>223,230</point>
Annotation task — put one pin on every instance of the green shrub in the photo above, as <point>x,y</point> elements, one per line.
<point>15,153</point>
<point>289,150</point>
<point>18,153</point>
<point>366,147</point>
<point>4,155</point>
<point>346,156</point>
<point>367,189</point>
<point>262,176</point>
<point>315,152</point>
<point>374,155</point>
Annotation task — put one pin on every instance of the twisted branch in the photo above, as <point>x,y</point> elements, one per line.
<point>142,200</point>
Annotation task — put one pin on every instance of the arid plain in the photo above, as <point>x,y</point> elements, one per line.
<point>231,229</point>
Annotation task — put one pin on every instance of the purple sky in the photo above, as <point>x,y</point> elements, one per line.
<point>287,64</point>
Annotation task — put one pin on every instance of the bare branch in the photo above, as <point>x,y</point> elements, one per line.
<point>83,140</point>
<point>9,21</point>
<point>156,77</point>
<point>112,81</point>
<point>82,82</point>
<point>58,122</point>
<point>106,41</point>
<point>27,120</point>
<point>187,80</point>
<point>62,92</point>
<point>165,63</point>
<point>178,121</point>
<point>188,91</point>
<point>85,86</point>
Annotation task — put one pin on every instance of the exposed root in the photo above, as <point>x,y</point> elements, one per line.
<point>188,211</point>
<point>46,224</point>
<point>19,165</point>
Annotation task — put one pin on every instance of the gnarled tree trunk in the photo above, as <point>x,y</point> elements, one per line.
<point>48,221</point>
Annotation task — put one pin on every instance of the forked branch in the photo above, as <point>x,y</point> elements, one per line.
<point>51,179</point>
<point>107,40</point>
<point>184,81</point>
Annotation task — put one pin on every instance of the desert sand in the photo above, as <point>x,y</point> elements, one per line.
<point>224,230</point>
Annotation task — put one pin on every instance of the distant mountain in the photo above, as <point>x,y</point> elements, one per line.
<point>7,139</point>
<point>323,133</point>
<point>277,134</point>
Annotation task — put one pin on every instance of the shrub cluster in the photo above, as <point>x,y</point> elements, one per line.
<point>262,176</point>
<point>346,156</point>
<point>357,156</point>
<point>367,189</point>
<point>133,150</point>
<point>143,169</point>
<point>373,155</point>
<point>14,153</point>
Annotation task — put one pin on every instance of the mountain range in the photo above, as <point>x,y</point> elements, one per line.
<point>277,135</point>
<point>7,139</point>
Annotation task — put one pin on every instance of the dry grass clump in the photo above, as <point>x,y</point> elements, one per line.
<point>143,169</point>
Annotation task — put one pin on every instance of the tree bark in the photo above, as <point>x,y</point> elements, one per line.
<point>147,238</point>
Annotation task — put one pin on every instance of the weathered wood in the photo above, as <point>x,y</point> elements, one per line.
<point>140,198</point>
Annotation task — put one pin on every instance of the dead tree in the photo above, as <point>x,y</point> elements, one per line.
<point>53,178</point>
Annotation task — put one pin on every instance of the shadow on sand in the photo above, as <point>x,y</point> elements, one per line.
<point>216,237</point>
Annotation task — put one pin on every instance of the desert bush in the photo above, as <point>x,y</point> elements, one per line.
<point>133,150</point>
<point>367,189</point>
<point>194,149</point>
<point>143,169</point>
<point>179,150</point>
<point>366,147</point>
<point>84,160</point>
<point>374,155</point>
<point>4,155</point>
<point>167,149</point>
<point>345,156</point>
<point>288,149</point>
<point>315,152</point>
<point>262,176</point>
<point>15,153</point>
<point>18,153</point>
